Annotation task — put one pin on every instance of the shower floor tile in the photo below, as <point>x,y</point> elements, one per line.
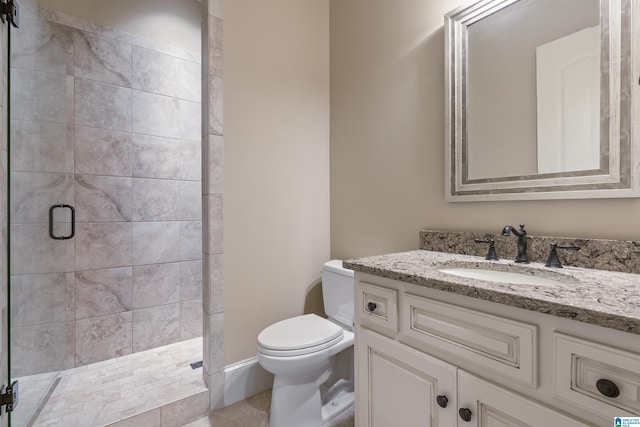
<point>107,392</point>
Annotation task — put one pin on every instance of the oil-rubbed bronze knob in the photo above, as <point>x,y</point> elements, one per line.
<point>371,306</point>
<point>607,388</point>
<point>465,414</point>
<point>442,400</point>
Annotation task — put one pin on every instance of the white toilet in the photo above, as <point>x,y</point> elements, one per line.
<point>312,357</point>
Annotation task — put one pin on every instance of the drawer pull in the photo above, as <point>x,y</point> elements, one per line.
<point>371,306</point>
<point>608,388</point>
<point>465,414</point>
<point>442,400</point>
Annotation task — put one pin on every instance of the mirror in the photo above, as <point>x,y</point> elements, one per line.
<point>541,100</point>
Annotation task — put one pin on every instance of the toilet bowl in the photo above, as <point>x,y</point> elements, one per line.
<point>312,357</point>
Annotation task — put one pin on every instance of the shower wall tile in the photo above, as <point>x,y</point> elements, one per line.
<point>213,295</point>
<point>213,161</point>
<point>190,201</point>
<point>190,120</point>
<point>34,193</point>
<point>156,284</point>
<point>156,242</point>
<point>102,59</point>
<point>215,116</point>
<point>34,252</point>
<point>41,147</point>
<point>178,53</point>
<point>155,72</point>
<point>190,160</point>
<point>45,46</point>
<point>214,223</point>
<point>215,46</point>
<point>190,280</point>
<point>214,8</point>
<point>165,116</point>
<point>101,105</point>
<point>102,152</point>
<point>213,346</point>
<point>69,20</point>
<point>156,326</point>
<point>156,157</point>
<point>103,245</point>
<point>189,81</point>
<point>190,240</point>
<point>41,348</point>
<point>103,338</point>
<point>38,299</point>
<point>102,292</point>
<point>190,319</point>
<point>38,96</point>
<point>155,199</point>
<point>156,115</point>
<point>102,198</point>
<point>123,36</point>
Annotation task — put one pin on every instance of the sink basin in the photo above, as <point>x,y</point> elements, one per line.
<point>500,276</point>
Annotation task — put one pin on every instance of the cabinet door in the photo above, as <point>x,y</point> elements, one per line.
<point>488,405</point>
<point>398,385</point>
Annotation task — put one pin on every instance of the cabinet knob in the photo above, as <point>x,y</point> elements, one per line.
<point>371,306</point>
<point>465,414</point>
<point>442,400</point>
<point>607,388</point>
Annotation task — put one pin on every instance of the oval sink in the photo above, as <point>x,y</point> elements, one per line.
<point>500,276</point>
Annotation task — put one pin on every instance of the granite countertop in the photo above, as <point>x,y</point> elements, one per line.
<point>603,298</point>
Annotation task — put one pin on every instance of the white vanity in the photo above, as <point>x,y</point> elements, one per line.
<point>436,349</point>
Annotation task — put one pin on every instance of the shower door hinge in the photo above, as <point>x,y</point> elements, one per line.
<point>9,397</point>
<point>10,12</point>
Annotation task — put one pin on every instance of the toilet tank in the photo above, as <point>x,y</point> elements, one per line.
<point>337,292</point>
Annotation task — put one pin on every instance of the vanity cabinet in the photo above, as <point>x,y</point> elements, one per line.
<point>434,358</point>
<point>487,405</point>
<point>401,383</point>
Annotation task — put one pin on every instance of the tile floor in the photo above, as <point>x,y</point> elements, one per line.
<point>254,412</point>
<point>131,390</point>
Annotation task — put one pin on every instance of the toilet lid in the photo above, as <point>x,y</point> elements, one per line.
<point>299,332</point>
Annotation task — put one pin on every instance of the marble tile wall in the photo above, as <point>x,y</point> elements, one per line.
<point>108,122</point>
<point>213,200</point>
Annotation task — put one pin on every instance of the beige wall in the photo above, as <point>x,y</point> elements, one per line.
<point>387,140</point>
<point>276,209</point>
<point>173,22</point>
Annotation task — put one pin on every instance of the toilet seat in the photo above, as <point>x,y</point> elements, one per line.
<point>299,335</point>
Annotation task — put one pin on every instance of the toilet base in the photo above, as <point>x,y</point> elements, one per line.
<point>309,405</point>
<point>337,399</point>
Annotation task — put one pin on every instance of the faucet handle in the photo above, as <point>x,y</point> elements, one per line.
<point>491,253</point>
<point>553,260</point>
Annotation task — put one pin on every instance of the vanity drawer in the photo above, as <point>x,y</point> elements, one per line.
<point>377,307</point>
<point>580,366</point>
<point>502,345</point>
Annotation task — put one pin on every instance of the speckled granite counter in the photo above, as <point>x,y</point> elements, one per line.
<point>603,298</point>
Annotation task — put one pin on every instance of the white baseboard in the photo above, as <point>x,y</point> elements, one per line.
<point>244,379</point>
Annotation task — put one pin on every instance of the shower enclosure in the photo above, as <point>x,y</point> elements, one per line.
<point>104,197</point>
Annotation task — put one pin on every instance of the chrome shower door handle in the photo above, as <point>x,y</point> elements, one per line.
<point>73,222</point>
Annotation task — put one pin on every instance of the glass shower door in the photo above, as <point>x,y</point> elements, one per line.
<point>41,163</point>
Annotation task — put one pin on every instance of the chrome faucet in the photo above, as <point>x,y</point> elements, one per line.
<point>522,242</point>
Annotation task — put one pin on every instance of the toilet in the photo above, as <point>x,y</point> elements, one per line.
<point>311,357</point>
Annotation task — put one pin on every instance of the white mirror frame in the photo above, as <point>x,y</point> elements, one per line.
<point>619,115</point>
